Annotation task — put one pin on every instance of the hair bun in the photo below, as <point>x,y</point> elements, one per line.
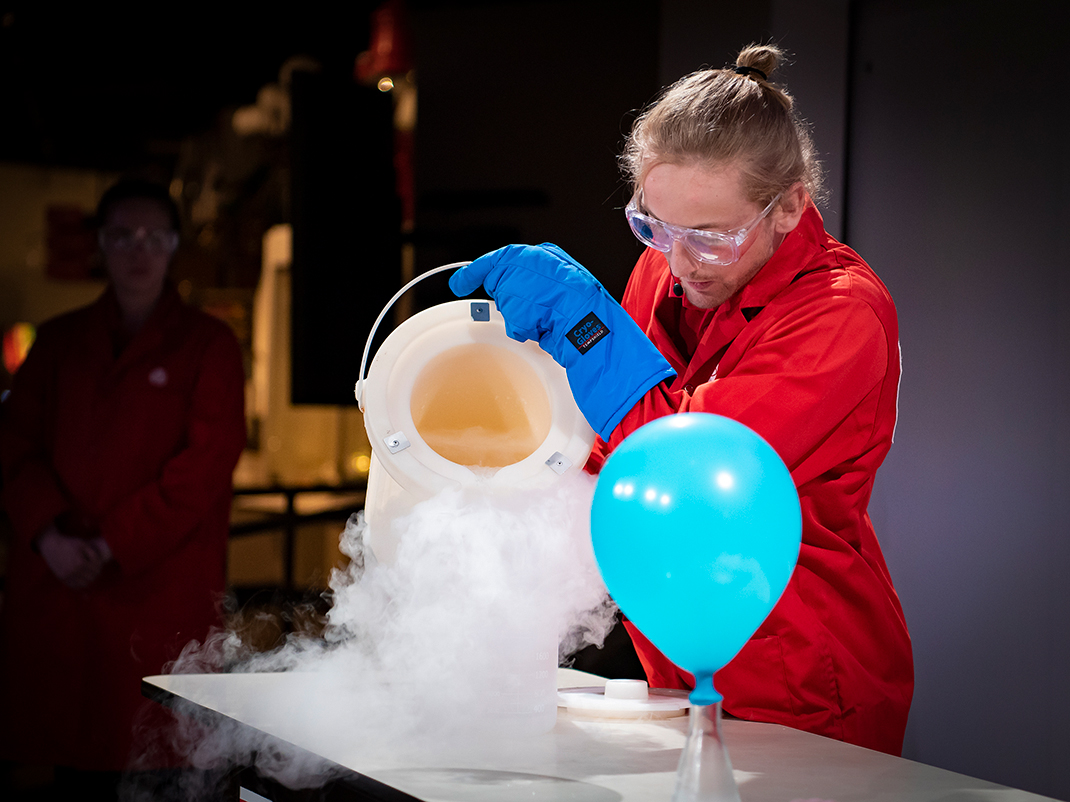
<point>758,60</point>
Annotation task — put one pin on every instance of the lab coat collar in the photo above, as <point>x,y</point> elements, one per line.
<point>110,316</point>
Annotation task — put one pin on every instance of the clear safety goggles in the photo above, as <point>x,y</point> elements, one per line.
<point>714,247</point>
<point>153,240</point>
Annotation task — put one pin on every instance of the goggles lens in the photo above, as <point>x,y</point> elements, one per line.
<point>714,247</point>
<point>156,240</point>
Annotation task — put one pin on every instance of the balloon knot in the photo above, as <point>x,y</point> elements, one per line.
<point>704,692</point>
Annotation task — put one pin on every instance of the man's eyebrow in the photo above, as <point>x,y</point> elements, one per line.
<point>709,228</point>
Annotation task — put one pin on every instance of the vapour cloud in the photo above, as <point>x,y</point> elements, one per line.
<point>428,653</point>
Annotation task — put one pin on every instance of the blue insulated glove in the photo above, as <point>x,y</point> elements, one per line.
<point>546,296</point>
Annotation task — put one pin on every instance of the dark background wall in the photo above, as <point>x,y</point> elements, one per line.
<point>958,176</point>
<point>523,109</point>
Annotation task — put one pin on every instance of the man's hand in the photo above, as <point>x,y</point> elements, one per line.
<point>75,562</point>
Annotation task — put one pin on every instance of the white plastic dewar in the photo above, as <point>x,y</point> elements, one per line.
<point>452,401</point>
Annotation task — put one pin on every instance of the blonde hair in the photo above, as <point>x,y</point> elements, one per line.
<point>732,115</point>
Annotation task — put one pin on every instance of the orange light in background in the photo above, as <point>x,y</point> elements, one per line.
<point>17,342</point>
<point>360,463</point>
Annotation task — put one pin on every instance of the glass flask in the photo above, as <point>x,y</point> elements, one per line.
<point>705,771</point>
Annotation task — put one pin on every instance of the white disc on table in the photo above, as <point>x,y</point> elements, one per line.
<point>623,699</point>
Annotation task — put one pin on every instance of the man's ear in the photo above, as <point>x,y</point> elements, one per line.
<point>789,210</point>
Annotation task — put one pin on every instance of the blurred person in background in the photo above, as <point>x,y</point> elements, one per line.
<point>117,444</point>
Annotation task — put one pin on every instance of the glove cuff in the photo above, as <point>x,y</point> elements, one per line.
<point>611,364</point>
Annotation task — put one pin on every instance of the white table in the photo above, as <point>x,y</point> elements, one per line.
<point>585,760</point>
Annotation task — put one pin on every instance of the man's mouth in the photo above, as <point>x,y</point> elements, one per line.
<point>697,285</point>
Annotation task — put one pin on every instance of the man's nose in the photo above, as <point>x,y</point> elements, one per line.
<point>139,239</point>
<point>681,263</point>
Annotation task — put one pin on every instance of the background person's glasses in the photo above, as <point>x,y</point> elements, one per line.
<point>714,247</point>
<point>154,240</point>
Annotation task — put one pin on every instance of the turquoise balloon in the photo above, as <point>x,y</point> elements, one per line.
<point>696,528</point>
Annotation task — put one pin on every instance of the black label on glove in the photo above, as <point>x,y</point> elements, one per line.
<point>587,332</point>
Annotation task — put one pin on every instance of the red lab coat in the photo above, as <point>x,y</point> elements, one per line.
<point>807,355</point>
<point>140,450</point>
